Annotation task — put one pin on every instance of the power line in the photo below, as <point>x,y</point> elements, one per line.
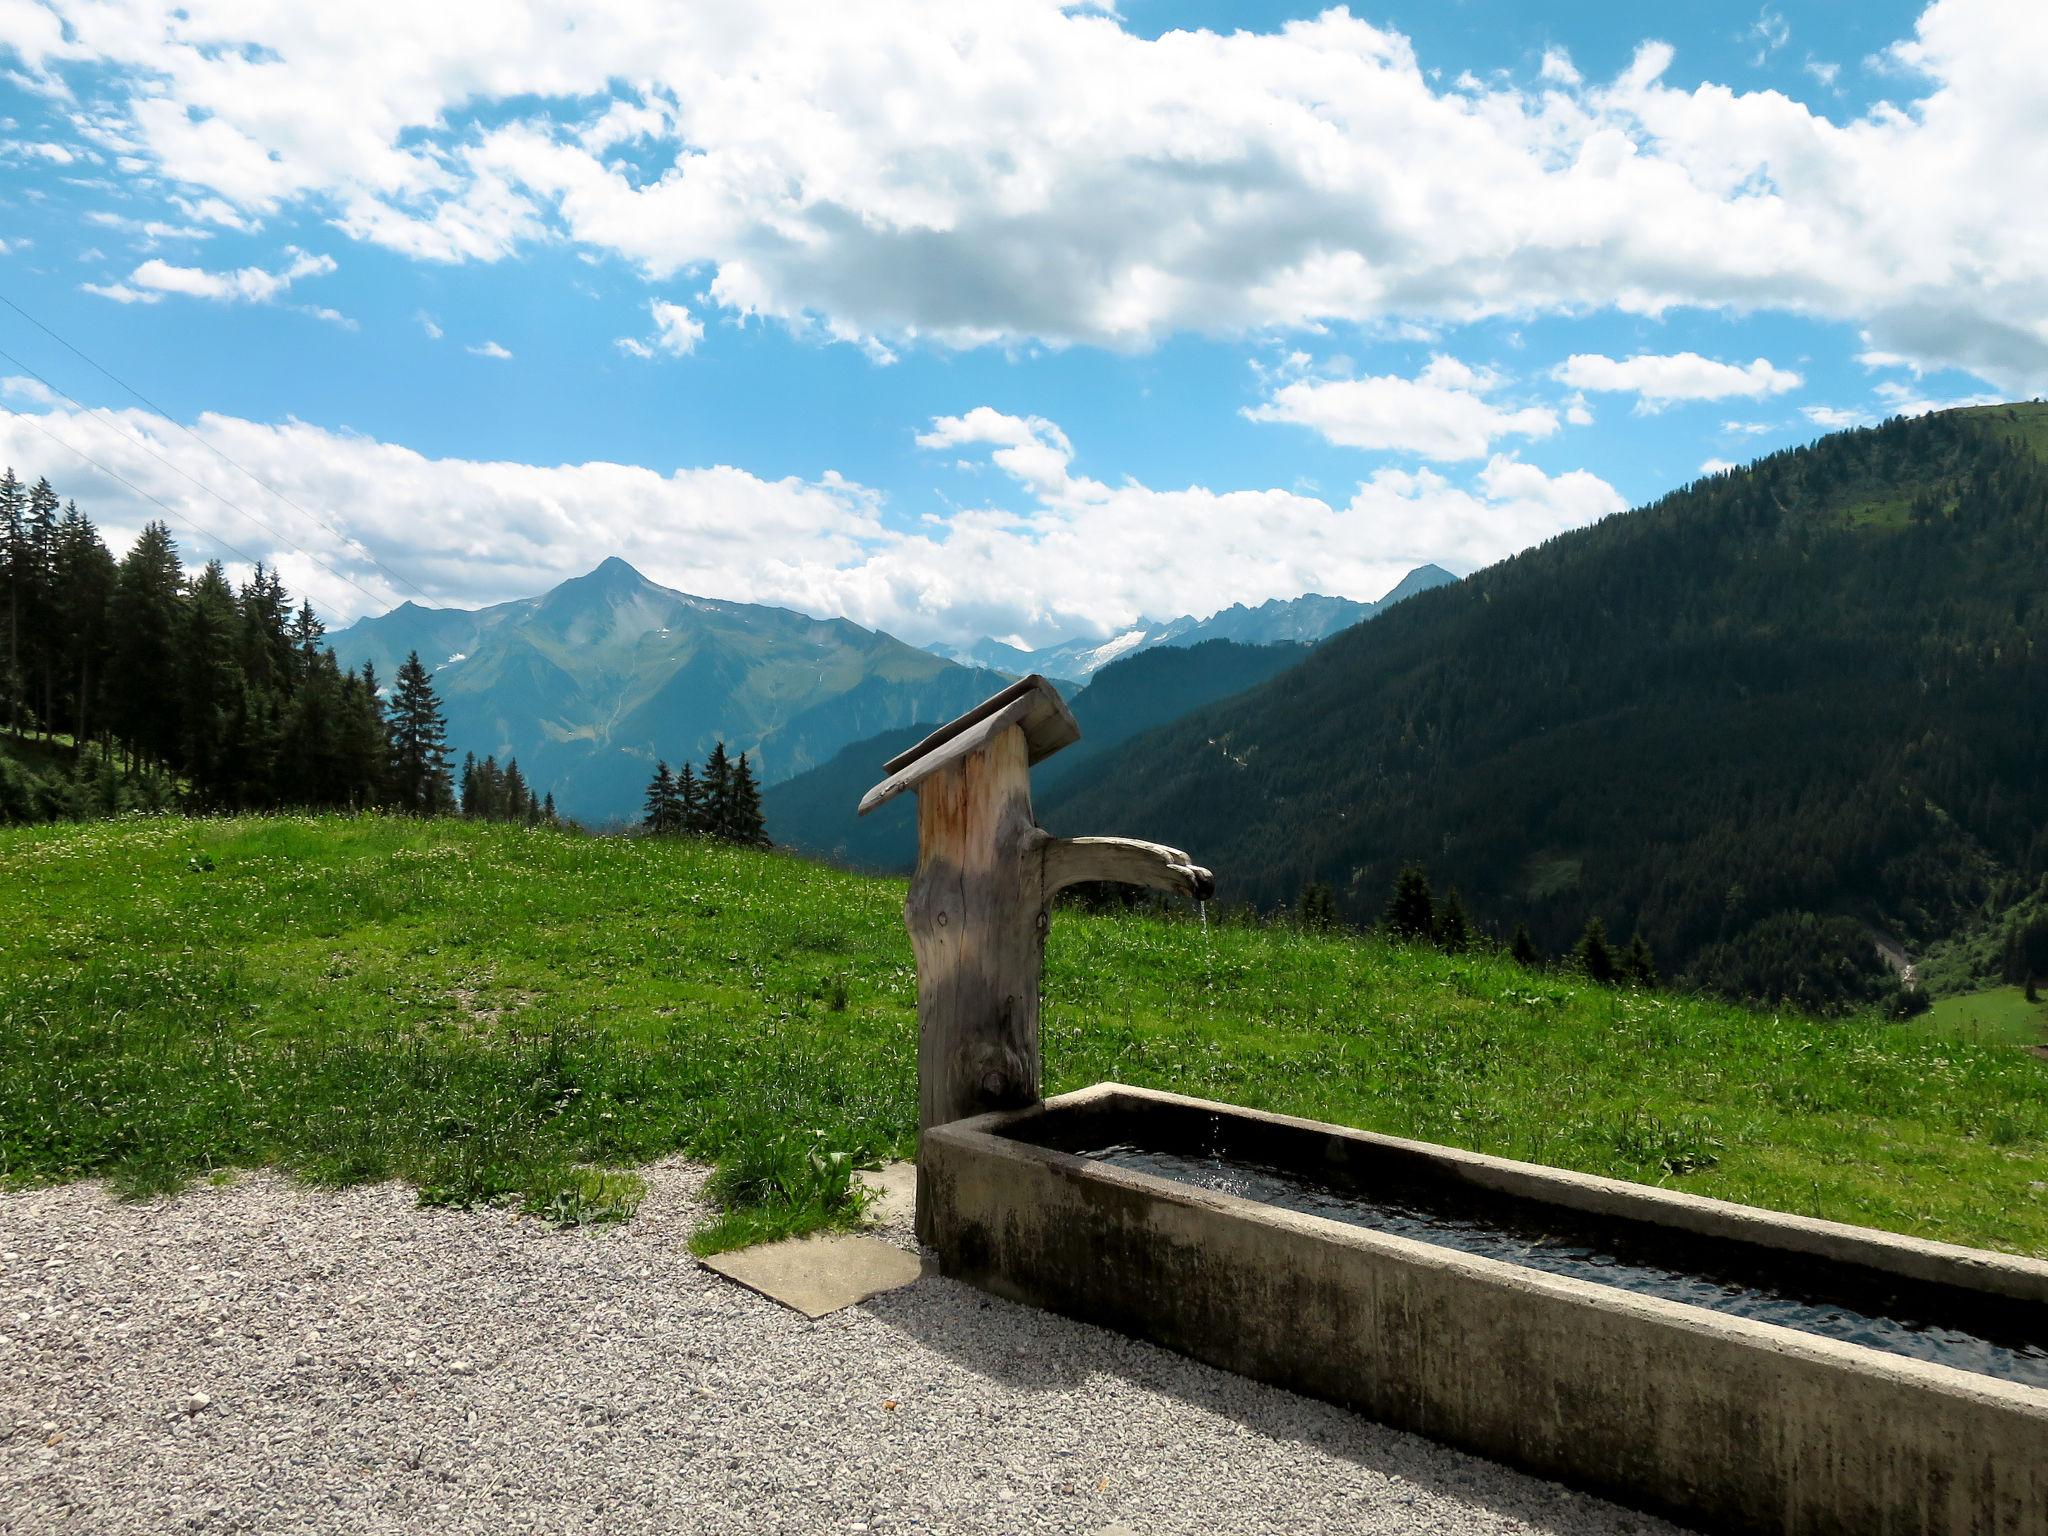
<point>138,490</point>
<point>346,538</point>
<point>268,528</point>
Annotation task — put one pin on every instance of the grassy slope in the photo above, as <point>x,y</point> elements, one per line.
<point>486,1010</point>
<point>2000,1015</point>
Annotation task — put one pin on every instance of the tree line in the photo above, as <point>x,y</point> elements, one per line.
<point>134,682</point>
<point>722,801</point>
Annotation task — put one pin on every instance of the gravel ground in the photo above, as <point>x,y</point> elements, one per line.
<point>268,1357</point>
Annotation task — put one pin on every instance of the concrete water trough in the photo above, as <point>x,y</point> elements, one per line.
<point>1734,1368</point>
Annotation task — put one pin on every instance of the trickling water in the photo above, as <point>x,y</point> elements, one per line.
<point>1202,911</point>
<point>1550,1239</point>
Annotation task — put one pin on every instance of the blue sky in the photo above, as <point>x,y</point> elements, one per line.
<point>1025,322</point>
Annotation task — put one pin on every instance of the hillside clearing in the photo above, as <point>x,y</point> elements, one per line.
<point>495,1013</point>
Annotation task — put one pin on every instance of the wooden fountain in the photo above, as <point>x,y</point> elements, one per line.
<point>980,902</point>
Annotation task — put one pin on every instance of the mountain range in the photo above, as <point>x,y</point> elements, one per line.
<point>1304,620</point>
<point>590,683</point>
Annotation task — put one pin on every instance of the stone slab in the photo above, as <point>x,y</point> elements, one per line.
<point>893,1191</point>
<point>820,1274</point>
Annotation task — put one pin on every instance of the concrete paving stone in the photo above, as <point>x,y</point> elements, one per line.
<point>822,1274</point>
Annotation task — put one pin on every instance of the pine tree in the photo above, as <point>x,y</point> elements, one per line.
<point>716,788</point>
<point>143,624</point>
<point>83,580</point>
<point>512,793</point>
<point>1524,950</point>
<point>1316,907</point>
<point>746,824</point>
<point>14,589</point>
<point>547,808</point>
<point>210,685</point>
<point>1411,909</point>
<point>1592,956</point>
<point>662,807</point>
<point>1453,928</point>
<point>471,808</point>
<point>419,744</point>
<point>39,617</point>
<point>1638,965</point>
<point>689,801</point>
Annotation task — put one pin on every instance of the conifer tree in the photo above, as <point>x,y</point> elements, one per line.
<point>471,808</point>
<point>716,789</point>
<point>419,744</point>
<point>547,808</point>
<point>745,822</point>
<point>512,793</point>
<point>1411,909</point>
<point>1638,965</point>
<point>14,589</point>
<point>1524,950</point>
<point>1592,956</point>
<point>83,579</point>
<point>39,618</point>
<point>689,800</point>
<point>1316,907</point>
<point>1453,928</point>
<point>661,806</point>
<point>143,632</point>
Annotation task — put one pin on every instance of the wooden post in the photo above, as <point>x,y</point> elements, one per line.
<point>979,903</point>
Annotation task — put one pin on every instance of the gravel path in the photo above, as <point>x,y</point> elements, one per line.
<point>272,1358</point>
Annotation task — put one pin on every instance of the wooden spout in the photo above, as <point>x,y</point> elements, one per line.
<point>980,900</point>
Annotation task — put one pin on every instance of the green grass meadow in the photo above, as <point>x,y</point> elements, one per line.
<point>498,1014</point>
<point>1997,1015</point>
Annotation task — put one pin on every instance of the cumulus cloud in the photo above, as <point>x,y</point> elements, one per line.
<point>1066,179</point>
<point>676,332</point>
<point>1079,555</point>
<point>490,349</point>
<point>154,279</point>
<point>1832,418</point>
<point>1660,381</point>
<point>1441,414</point>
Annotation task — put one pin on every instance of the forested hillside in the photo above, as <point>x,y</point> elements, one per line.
<point>1780,710</point>
<point>133,683</point>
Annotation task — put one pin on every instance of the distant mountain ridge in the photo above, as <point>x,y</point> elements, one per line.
<point>1305,620</point>
<point>588,684</point>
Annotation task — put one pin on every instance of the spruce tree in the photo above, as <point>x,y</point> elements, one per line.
<point>14,589</point>
<point>1411,909</point>
<point>547,808</point>
<point>512,793</point>
<point>1524,950</point>
<point>1638,965</point>
<point>1592,956</point>
<point>39,617</point>
<point>143,624</point>
<point>84,584</point>
<point>689,801</point>
<point>717,792</point>
<point>471,807</point>
<point>210,685</point>
<point>419,744</point>
<point>661,804</point>
<point>1316,907</point>
<point>1453,928</point>
<point>747,824</point>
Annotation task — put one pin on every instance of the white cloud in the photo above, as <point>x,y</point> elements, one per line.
<point>1745,428</point>
<point>1080,556</point>
<point>1441,414</point>
<point>1660,381</point>
<point>248,285</point>
<point>1066,179</point>
<point>490,349</point>
<point>430,325</point>
<point>676,332</point>
<point>1830,417</point>
<point>1716,467</point>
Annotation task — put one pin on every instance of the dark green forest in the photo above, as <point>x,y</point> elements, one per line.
<point>1777,714</point>
<point>133,683</point>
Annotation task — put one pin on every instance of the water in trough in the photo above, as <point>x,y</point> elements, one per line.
<point>1831,1300</point>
